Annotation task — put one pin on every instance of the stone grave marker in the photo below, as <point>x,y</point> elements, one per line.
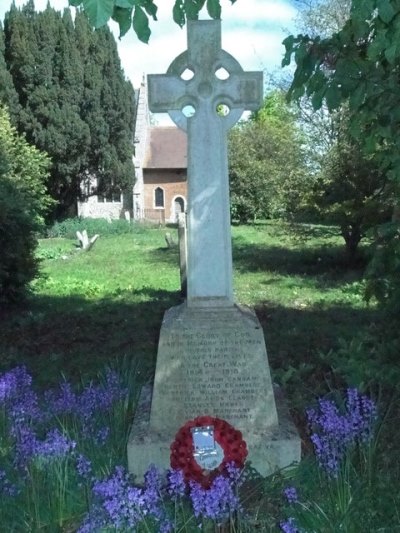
<point>212,358</point>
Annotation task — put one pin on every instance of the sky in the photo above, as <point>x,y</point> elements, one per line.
<point>252,31</point>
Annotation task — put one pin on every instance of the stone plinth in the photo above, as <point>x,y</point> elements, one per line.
<point>212,361</point>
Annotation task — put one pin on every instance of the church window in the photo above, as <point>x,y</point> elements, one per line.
<point>159,197</point>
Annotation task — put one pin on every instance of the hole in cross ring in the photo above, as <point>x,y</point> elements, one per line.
<point>222,74</point>
<point>188,110</point>
<point>187,74</point>
<point>222,110</point>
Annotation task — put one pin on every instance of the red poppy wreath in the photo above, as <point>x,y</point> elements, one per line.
<point>228,438</point>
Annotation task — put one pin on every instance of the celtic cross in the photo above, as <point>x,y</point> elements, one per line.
<point>194,80</point>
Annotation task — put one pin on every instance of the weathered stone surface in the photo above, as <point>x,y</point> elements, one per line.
<point>209,273</point>
<point>214,362</point>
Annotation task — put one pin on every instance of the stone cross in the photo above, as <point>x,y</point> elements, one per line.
<point>207,92</point>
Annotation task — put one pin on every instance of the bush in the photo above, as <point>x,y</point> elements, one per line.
<point>68,228</point>
<point>18,265</point>
<point>23,204</point>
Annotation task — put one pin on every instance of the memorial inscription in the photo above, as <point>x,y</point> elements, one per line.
<point>215,371</point>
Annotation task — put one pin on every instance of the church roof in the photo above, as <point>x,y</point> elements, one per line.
<point>167,148</point>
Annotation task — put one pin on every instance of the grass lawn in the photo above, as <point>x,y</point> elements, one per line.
<point>91,309</point>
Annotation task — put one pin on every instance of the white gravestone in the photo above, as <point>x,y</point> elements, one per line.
<point>211,356</point>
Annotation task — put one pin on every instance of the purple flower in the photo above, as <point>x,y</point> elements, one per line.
<point>218,502</point>
<point>336,432</point>
<point>176,483</point>
<point>56,445</point>
<point>6,487</point>
<point>83,466</point>
<point>291,495</point>
<point>289,526</point>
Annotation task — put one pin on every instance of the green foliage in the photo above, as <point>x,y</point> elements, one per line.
<point>266,163</point>
<point>70,226</point>
<point>23,203</point>
<point>74,101</point>
<point>136,13</point>
<point>351,191</point>
<point>359,65</point>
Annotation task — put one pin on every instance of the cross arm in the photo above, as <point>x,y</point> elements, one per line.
<point>166,92</point>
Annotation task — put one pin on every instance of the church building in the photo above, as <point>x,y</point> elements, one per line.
<point>160,190</point>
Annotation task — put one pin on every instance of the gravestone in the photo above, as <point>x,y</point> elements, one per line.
<point>211,356</point>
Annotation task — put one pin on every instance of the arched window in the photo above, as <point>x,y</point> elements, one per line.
<point>158,197</point>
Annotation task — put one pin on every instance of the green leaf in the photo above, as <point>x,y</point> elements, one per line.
<point>391,53</point>
<point>333,97</point>
<point>386,11</point>
<point>128,4</point>
<point>75,3</point>
<point>124,19</point>
<point>317,98</point>
<point>140,24</point>
<point>99,12</point>
<point>191,9</point>
<point>178,13</point>
<point>150,7</point>
<point>214,9</point>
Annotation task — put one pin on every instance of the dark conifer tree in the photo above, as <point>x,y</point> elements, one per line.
<point>75,103</point>
<point>8,94</point>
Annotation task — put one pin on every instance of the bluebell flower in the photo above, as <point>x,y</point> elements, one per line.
<point>335,432</point>
<point>176,483</point>
<point>217,502</point>
<point>83,466</point>
<point>289,526</point>
<point>291,495</point>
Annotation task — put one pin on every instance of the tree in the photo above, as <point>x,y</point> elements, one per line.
<point>71,101</point>
<point>360,65</point>
<point>23,205</point>
<point>8,94</point>
<point>350,191</point>
<point>266,162</point>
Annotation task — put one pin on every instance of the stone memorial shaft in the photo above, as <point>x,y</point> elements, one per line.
<point>211,358</point>
<point>209,235</point>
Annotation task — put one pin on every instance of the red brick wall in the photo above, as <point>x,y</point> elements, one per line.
<point>173,183</point>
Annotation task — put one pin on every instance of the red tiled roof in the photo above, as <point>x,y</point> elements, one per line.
<point>167,148</point>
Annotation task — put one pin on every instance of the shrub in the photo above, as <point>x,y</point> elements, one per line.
<point>68,227</point>
<point>23,203</point>
<point>18,265</point>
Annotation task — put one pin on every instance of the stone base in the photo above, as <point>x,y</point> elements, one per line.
<point>269,451</point>
<point>212,361</point>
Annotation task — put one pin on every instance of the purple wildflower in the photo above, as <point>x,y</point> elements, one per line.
<point>335,432</point>
<point>152,492</point>
<point>17,396</point>
<point>218,502</point>
<point>6,487</point>
<point>289,526</point>
<point>102,435</point>
<point>120,504</point>
<point>83,466</point>
<point>176,483</point>
<point>56,445</point>
<point>291,495</point>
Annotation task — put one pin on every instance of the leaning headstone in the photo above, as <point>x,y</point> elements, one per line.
<point>170,240</point>
<point>211,356</point>
<point>85,242</point>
